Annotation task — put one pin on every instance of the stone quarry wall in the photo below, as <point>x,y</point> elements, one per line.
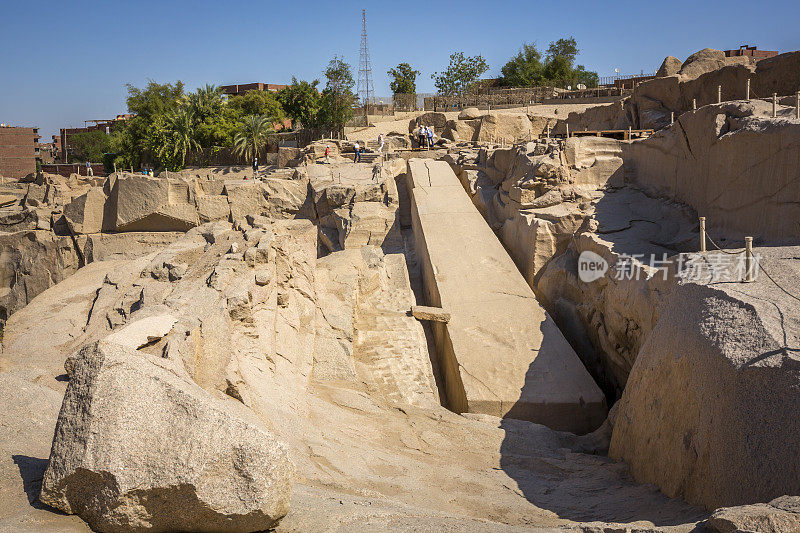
<point>676,86</point>
<point>732,163</point>
<point>706,374</point>
<point>698,79</point>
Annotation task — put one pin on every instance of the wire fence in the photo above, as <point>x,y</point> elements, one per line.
<point>494,97</point>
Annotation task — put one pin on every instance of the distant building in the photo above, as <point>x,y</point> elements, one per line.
<point>751,51</point>
<point>240,89</point>
<point>56,146</point>
<point>67,133</point>
<point>47,153</point>
<point>19,151</point>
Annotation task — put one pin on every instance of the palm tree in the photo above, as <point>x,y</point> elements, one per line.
<point>181,133</point>
<point>206,101</point>
<point>252,136</point>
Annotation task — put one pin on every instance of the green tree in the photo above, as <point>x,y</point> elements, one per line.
<point>565,48</point>
<point>300,102</point>
<point>405,79</point>
<point>135,141</point>
<point>155,99</point>
<point>337,100</point>
<point>460,75</point>
<point>89,146</point>
<point>179,132</point>
<point>155,150</point>
<point>586,77</point>
<point>258,103</point>
<point>559,65</point>
<point>558,69</point>
<point>524,69</point>
<point>252,136</point>
<point>220,129</point>
<point>206,102</point>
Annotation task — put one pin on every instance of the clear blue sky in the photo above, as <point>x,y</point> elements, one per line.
<point>64,62</point>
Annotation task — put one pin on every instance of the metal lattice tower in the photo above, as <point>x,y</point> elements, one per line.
<point>365,88</point>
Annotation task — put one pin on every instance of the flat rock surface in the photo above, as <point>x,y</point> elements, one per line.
<point>505,366</point>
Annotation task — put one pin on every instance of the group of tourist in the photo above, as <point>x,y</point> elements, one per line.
<point>425,137</point>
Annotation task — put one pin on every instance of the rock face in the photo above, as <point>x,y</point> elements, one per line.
<point>139,447</point>
<point>31,262</point>
<point>671,65</point>
<point>154,204</point>
<point>781,515</point>
<point>714,396</point>
<point>677,85</point>
<point>615,116</point>
<point>470,113</point>
<point>698,79</point>
<point>712,159</point>
<point>504,127</point>
<point>368,223</point>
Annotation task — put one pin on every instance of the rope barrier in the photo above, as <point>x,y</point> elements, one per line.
<point>760,266</point>
<point>720,249</point>
<point>773,280</point>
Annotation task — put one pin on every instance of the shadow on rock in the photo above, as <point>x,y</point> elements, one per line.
<point>31,470</point>
<point>571,476</point>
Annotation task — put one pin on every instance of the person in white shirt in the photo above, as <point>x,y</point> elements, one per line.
<point>380,143</point>
<point>357,147</point>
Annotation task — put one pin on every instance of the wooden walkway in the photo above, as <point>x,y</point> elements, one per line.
<point>624,135</point>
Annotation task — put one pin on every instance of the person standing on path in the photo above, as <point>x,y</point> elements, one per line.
<point>327,153</point>
<point>255,168</point>
<point>429,135</point>
<point>357,158</point>
<point>380,143</point>
<point>421,137</point>
<point>89,171</point>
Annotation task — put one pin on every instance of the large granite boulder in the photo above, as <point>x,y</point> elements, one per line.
<point>671,65</point>
<point>470,113</point>
<point>703,61</point>
<point>781,515</point>
<point>461,130</point>
<point>504,127</point>
<point>153,204</point>
<point>712,402</point>
<point>88,213</point>
<point>140,447</point>
<point>434,119</point>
